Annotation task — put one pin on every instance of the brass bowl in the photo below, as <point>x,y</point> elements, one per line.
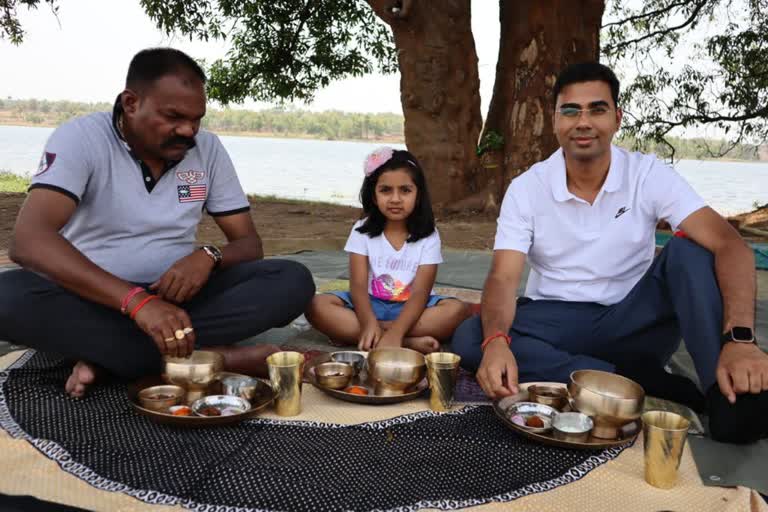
<point>391,371</point>
<point>548,395</point>
<point>160,398</point>
<point>611,400</point>
<point>334,375</point>
<point>355,359</point>
<point>193,373</point>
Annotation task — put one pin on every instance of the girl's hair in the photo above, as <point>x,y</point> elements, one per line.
<point>421,221</point>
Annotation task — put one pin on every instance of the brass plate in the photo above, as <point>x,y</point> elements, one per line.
<point>360,380</point>
<point>263,396</point>
<point>628,433</point>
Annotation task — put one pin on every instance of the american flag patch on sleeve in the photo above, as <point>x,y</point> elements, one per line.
<point>192,193</point>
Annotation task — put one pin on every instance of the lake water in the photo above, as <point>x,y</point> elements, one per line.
<point>332,171</point>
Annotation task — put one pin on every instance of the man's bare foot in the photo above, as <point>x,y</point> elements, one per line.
<point>249,360</point>
<point>424,344</point>
<point>83,375</point>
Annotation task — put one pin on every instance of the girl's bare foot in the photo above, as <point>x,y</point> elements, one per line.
<point>83,375</point>
<point>424,344</point>
<point>249,360</point>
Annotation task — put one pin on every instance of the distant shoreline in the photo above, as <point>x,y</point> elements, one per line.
<point>259,135</point>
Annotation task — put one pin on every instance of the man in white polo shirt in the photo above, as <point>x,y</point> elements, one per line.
<point>112,277</point>
<point>596,298</point>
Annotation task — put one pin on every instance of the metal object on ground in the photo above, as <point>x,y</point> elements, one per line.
<point>610,400</point>
<point>664,435</point>
<point>194,373</point>
<point>262,396</point>
<point>334,375</point>
<point>285,371</point>
<point>553,396</point>
<point>393,370</point>
<point>572,426</point>
<point>361,380</point>
<point>354,359</point>
<point>160,398</point>
<point>627,433</point>
<point>442,372</point>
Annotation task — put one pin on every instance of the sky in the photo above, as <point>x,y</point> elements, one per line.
<point>83,54</point>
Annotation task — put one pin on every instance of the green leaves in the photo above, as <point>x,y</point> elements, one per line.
<point>10,28</point>
<point>283,50</point>
<point>692,64</point>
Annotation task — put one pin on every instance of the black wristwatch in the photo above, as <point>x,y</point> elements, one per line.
<point>215,254</point>
<point>738,335</point>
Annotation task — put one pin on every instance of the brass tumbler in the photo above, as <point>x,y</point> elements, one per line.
<point>285,371</point>
<point>664,435</point>
<point>442,370</point>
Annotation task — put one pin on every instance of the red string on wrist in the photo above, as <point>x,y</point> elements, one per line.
<point>127,299</point>
<point>142,304</point>
<point>492,337</point>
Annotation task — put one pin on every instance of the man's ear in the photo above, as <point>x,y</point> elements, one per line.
<point>619,117</point>
<point>130,101</point>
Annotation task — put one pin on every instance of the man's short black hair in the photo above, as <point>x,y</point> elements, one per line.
<point>587,72</point>
<point>151,64</point>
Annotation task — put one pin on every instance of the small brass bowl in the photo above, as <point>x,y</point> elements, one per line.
<point>573,427</point>
<point>193,373</point>
<point>549,395</point>
<point>610,400</point>
<point>355,360</point>
<point>391,371</point>
<point>160,398</point>
<point>334,375</point>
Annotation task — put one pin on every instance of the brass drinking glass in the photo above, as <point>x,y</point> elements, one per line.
<point>442,370</point>
<point>664,435</point>
<point>285,371</point>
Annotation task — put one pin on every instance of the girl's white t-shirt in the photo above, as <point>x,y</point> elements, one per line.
<point>391,272</point>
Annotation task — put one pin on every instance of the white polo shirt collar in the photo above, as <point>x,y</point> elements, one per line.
<point>558,181</point>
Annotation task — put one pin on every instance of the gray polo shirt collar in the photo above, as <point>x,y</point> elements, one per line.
<point>146,173</point>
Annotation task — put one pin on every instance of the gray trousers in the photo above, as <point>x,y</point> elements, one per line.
<point>236,303</point>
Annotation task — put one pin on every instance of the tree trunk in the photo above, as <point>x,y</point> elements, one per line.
<point>538,39</point>
<point>439,87</point>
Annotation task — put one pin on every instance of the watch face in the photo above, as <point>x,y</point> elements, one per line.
<point>742,334</point>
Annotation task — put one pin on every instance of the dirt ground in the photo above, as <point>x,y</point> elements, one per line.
<point>290,226</point>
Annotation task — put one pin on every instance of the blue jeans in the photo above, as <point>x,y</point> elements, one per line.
<point>385,310</point>
<point>678,296</point>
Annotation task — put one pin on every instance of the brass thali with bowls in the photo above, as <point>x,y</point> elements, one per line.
<point>259,396</point>
<point>507,407</point>
<point>360,378</point>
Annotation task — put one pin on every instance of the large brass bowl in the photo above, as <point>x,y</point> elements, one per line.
<point>194,373</point>
<point>611,400</point>
<point>391,371</point>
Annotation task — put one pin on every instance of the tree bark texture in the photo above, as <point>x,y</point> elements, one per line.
<point>439,87</point>
<point>538,39</point>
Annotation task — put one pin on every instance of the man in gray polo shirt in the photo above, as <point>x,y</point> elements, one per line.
<point>111,274</point>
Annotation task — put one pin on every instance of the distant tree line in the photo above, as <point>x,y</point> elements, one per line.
<point>331,125</point>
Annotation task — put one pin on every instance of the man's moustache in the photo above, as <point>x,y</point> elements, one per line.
<point>183,141</point>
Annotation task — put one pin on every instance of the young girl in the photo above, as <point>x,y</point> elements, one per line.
<point>393,251</point>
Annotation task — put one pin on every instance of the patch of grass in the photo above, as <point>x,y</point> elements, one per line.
<point>274,199</point>
<point>10,182</point>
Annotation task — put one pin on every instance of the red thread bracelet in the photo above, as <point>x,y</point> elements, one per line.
<point>492,337</point>
<point>142,304</point>
<point>128,296</point>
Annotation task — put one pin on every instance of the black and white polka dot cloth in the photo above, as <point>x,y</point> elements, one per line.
<point>410,462</point>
